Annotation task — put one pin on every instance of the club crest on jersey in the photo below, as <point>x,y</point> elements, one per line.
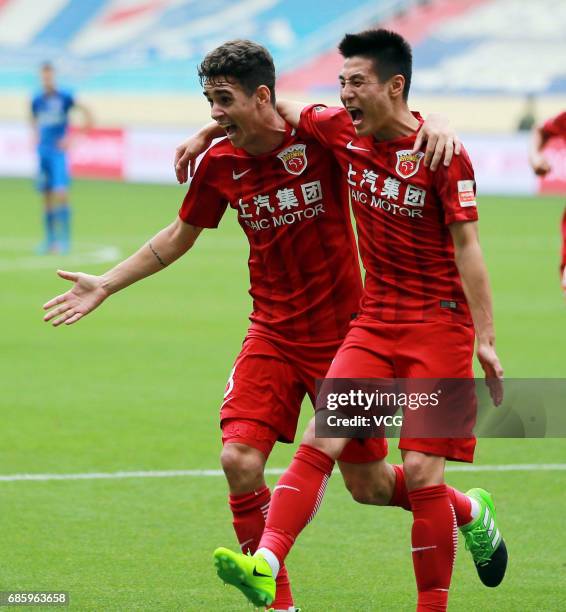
<point>294,158</point>
<point>408,163</point>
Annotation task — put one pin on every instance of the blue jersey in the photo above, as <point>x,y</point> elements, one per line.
<point>51,112</point>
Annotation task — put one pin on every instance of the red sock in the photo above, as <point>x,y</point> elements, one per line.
<point>462,506</point>
<point>296,499</point>
<point>249,511</point>
<point>434,538</point>
<point>460,502</point>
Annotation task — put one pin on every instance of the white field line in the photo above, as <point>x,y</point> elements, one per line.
<point>519,467</point>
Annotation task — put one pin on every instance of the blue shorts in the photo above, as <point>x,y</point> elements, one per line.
<point>53,171</point>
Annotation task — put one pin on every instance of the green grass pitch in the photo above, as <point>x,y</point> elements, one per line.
<point>137,386</point>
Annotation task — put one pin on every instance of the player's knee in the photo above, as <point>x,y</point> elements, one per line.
<point>417,469</point>
<point>374,491</point>
<point>329,446</point>
<point>309,436</point>
<point>359,491</point>
<point>243,465</point>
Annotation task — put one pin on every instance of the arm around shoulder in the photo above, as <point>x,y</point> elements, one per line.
<point>290,111</point>
<point>187,152</point>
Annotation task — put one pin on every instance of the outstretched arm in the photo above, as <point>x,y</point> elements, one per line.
<point>89,291</point>
<point>538,161</point>
<point>475,280</point>
<point>187,152</point>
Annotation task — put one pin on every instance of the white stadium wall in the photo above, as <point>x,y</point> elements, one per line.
<point>146,155</point>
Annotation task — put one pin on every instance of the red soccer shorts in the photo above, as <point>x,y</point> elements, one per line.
<point>265,390</point>
<point>251,433</point>
<point>373,349</point>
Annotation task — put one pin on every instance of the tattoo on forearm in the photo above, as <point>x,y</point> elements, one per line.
<point>157,255</point>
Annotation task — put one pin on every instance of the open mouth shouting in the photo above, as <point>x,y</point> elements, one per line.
<point>356,114</point>
<point>229,128</point>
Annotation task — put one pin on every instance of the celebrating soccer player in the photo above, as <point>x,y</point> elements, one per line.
<point>50,120</point>
<point>555,127</point>
<point>292,204</point>
<point>426,298</point>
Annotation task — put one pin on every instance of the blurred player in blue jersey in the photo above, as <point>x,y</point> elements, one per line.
<point>50,119</point>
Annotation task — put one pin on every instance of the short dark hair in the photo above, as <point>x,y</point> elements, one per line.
<point>248,63</point>
<point>390,52</point>
<point>47,65</point>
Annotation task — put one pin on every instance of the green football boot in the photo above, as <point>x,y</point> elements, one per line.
<point>251,575</point>
<point>484,541</point>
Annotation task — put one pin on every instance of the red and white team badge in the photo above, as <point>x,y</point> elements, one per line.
<point>294,158</point>
<point>408,163</point>
<point>466,194</point>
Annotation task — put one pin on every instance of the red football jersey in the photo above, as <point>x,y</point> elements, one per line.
<point>402,211</point>
<point>555,126</point>
<point>563,258</point>
<point>305,277</point>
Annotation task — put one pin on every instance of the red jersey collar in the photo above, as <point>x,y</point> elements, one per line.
<point>289,135</point>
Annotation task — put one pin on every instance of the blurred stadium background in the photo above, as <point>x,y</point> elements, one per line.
<point>137,385</point>
<point>134,62</point>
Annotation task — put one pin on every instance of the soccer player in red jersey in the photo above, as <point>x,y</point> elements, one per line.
<point>304,273</point>
<point>555,127</point>
<point>426,297</point>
